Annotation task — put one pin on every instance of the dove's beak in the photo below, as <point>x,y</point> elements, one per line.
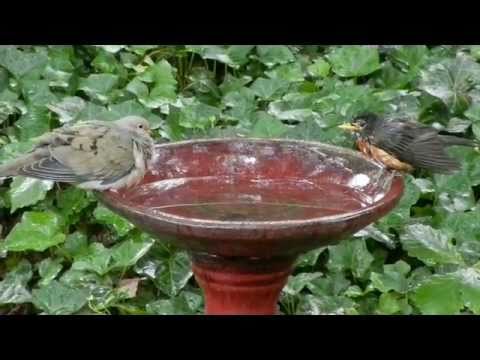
<point>350,127</point>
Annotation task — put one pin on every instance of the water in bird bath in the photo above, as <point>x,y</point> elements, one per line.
<point>225,198</point>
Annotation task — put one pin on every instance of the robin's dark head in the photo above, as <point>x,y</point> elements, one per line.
<point>363,124</point>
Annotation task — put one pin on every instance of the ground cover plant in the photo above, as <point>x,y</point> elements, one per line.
<point>61,252</point>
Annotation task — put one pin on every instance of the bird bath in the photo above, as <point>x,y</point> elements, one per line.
<point>246,208</point>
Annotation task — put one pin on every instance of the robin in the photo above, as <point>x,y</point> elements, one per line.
<point>405,145</point>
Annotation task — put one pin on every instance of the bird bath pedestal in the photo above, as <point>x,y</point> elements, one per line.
<point>246,208</point>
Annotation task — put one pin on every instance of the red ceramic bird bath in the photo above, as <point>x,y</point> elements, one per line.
<point>246,208</point>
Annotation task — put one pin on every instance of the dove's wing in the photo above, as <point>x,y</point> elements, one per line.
<point>85,152</point>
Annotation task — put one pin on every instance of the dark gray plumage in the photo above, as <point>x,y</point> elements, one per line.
<point>413,143</point>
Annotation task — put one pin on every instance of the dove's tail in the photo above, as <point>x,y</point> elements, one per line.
<point>13,167</point>
<point>8,170</point>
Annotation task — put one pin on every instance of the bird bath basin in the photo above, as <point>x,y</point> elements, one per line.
<point>246,208</point>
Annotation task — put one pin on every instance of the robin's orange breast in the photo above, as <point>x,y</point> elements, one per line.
<point>382,156</point>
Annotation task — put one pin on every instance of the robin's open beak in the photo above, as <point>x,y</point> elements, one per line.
<point>350,127</point>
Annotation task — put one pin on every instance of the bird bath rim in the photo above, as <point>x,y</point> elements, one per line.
<point>277,224</point>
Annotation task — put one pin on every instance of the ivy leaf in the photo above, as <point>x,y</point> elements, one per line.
<point>13,292</point>
<point>331,285</point>
<point>473,113</point>
<point>393,278</point>
<point>81,279</point>
<point>430,245</point>
<point>288,72</point>
<point>310,258</point>
<point>450,80</point>
<point>457,125</point>
<point>333,305</point>
<point>20,63</point>
<point>13,288</point>
<point>21,272</point>
<point>9,104</point>
<point>234,56</point>
<point>57,298</point>
<point>27,191</point>
<point>376,234</point>
<point>48,269</point>
<point>267,126</point>
<point>71,201</point>
<point>350,255</point>
<point>75,245</point>
<point>469,278</point>
<point>36,231</point>
<point>187,303</point>
<point>310,130</point>
<point>401,214</point>
<point>439,295</point>
<point>239,54</point>
<point>241,105</point>
<point>133,107</point>
<point>173,273</point>
<point>106,62</point>
<point>294,107</point>
<point>267,89</point>
<point>391,303</point>
<point>33,123</point>
<point>454,192</point>
<point>231,83</point>
<point>130,251</point>
<point>465,229</point>
<point>37,92</point>
<point>68,108</point>
<point>98,86</point>
<point>354,61</point>
<point>164,83</point>
<point>109,218</point>
<point>475,51</point>
<point>198,116</point>
<point>138,88</point>
<point>3,80</point>
<point>93,111</point>
<point>410,57</point>
<point>319,68</point>
<point>347,101</point>
<point>60,68</point>
<point>272,55</point>
<point>97,259</point>
<point>112,48</point>
<point>298,282</point>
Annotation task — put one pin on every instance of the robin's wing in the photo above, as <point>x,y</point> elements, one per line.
<point>395,137</point>
<point>415,144</point>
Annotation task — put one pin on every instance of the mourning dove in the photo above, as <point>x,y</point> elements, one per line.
<point>93,155</point>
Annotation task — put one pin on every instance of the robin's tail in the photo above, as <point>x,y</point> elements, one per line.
<point>451,140</point>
